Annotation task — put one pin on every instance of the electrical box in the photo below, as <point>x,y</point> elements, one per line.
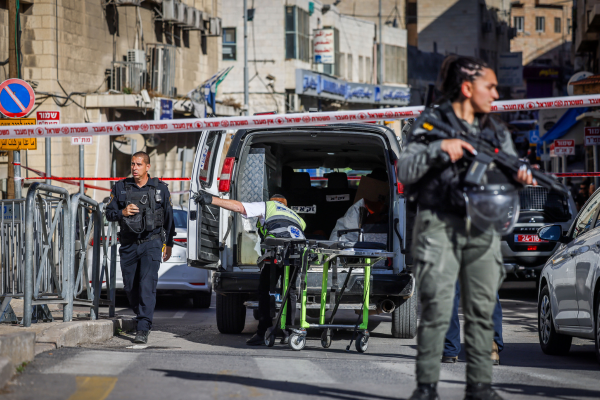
<point>136,56</point>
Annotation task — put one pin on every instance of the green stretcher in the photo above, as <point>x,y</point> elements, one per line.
<point>298,256</point>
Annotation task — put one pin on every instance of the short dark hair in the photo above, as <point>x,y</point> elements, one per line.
<point>143,155</point>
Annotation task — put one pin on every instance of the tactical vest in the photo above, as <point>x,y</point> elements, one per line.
<point>150,216</point>
<point>281,222</point>
<point>442,188</point>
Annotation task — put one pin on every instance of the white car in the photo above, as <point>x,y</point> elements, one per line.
<point>174,276</point>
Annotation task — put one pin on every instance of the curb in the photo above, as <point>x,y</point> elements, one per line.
<point>21,347</point>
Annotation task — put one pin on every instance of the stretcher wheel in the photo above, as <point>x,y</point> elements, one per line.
<point>297,342</point>
<point>362,342</point>
<point>326,338</point>
<point>270,337</point>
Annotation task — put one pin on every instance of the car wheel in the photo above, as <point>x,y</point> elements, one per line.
<point>202,299</point>
<point>552,342</point>
<point>598,327</point>
<point>231,312</point>
<point>404,318</point>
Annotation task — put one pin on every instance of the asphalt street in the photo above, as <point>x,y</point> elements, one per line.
<point>187,358</point>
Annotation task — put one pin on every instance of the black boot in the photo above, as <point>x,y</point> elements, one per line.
<point>481,391</point>
<point>141,337</point>
<point>425,391</point>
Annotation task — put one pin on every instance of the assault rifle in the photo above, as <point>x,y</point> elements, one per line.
<point>486,154</point>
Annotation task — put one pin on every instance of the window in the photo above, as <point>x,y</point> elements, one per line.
<point>586,217</point>
<point>540,24</point>
<point>395,64</point>
<point>519,23</point>
<point>207,159</point>
<point>180,218</point>
<point>341,69</point>
<point>361,77</point>
<point>368,70</point>
<point>557,27</point>
<point>229,44</point>
<point>297,40</point>
<point>349,68</point>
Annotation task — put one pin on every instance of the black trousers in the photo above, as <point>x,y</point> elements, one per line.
<point>139,267</point>
<point>265,320</point>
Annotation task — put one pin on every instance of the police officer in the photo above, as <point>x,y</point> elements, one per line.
<point>446,246</point>
<point>143,208</point>
<point>275,219</point>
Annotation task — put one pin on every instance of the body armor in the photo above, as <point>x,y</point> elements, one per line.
<point>150,216</point>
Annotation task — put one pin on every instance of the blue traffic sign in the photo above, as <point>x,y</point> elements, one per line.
<point>16,98</point>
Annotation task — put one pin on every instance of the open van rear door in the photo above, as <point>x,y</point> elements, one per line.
<point>204,222</point>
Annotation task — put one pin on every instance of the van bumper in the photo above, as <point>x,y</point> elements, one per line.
<point>381,284</point>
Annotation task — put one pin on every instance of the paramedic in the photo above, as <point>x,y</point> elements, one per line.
<point>447,246</point>
<point>143,208</point>
<point>275,219</point>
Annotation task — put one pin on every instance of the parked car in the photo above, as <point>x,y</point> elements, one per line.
<point>251,165</point>
<point>175,277</point>
<point>569,295</point>
<point>524,253</point>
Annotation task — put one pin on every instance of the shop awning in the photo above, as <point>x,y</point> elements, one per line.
<point>563,125</point>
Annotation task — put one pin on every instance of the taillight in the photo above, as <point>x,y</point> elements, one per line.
<point>400,185</point>
<point>531,248</point>
<point>181,240</point>
<point>225,178</point>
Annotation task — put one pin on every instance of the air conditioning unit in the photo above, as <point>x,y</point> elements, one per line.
<point>162,69</point>
<point>170,10</point>
<point>181,14</point>
<point>128,2</point>
<point>214,27</point>
<point>136,56</point>
<point>191,16</point>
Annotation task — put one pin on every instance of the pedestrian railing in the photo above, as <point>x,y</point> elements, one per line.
<point>12,250</point>
<point>56,249</point>
<point>48,267</point>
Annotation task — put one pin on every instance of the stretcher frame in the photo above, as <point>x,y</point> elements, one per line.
<point>327,258</point>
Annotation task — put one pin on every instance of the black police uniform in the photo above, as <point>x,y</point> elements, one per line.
<point>142,238</point>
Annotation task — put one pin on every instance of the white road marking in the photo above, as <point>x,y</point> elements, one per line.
<point>179,314</point>
<point>301,371</point>
<point>94,363</point>
<point>137,346</point>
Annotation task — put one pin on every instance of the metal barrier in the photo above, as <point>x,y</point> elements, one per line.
<point>88,226</point>
<point>48,267</point>
<point>12,238</point>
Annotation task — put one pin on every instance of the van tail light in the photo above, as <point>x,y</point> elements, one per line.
<point>225,178</point>
<point>399,185</point>
<point>181,240</point>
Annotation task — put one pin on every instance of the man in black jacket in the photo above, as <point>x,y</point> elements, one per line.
<point>143,208</point>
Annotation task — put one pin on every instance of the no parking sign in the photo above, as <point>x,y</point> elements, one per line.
<point>16,98</point>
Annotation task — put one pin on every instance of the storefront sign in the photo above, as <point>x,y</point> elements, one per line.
<point>564,148</point>
<point>324,49</point>
<point>319,85</point>
<point>592,136</point>
<point>47,117</point>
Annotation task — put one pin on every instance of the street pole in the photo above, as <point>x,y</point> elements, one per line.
<point>81,169</point>
<point>13,187</point>
<point>380,58</point>
<point>183,164</point>
<point>48,150</point>
<point>246,99</point>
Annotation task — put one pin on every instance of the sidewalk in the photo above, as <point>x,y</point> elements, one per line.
<point>19,345</point>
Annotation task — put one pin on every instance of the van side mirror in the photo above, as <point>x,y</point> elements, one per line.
<point>552,233</point>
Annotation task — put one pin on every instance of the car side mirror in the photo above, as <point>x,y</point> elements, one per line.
<point>552,233</point>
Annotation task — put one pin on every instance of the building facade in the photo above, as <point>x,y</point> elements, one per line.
<point>286,41</point>
<point>91,60</point>
<point>543,36</point>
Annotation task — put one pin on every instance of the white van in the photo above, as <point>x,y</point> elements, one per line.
<point>250,165</point>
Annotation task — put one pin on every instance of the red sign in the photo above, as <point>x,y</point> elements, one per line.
<point>16,98</point>
<point>48,117</point>
<point>592,136</point>
<point>564,147</point>
<point>81,140</point>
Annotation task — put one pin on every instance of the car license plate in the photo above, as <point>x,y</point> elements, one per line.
<point>529,239</point>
